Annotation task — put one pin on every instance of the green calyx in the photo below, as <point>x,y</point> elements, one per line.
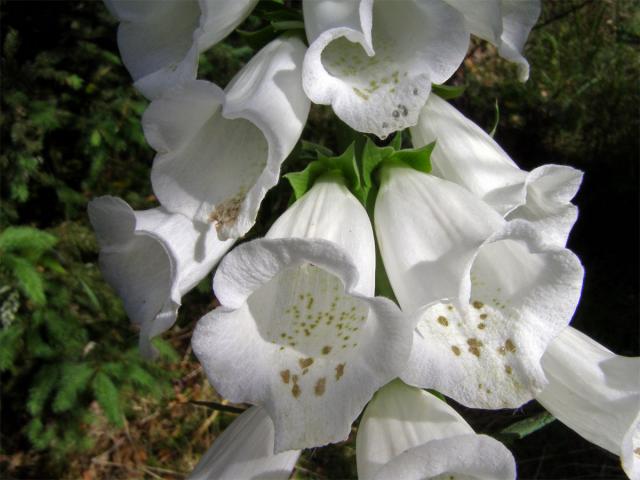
<point>360,171</point>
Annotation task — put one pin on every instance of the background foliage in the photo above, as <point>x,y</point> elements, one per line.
<point>77,400</point>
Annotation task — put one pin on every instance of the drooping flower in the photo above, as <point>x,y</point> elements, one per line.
<point>491,293</point>
<point>245,450</point>
<point>374,61</point>
<point>220,151</point>
<point>152,258</point>
<point>298,330</point>
<point>467,155</point>
<point>410,434</point>
<point>160,40</point>
<point>596,393</point>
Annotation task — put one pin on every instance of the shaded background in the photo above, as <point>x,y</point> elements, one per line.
<point>78,402</point>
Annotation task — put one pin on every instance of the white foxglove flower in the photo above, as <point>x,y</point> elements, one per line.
<point>410,434</point>
<point>467,155</point>
<point>220,151</point>
<point>152,258</point>
<point>491,294</point>
<point>374,61</point>
<point>505,23</point>
<point>596,393</point>
<point>160,40</point>
<point>298,330</point>
<point>245,451</point>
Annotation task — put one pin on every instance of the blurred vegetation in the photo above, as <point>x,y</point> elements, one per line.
<point>78,401</point>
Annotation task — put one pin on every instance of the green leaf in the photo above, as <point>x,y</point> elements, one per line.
<point>74,380</point>
<point>10,342</point>
<point>28,277</point>
<point>41,388</point>
<point>448,92</point>
<point>108,397</point>
<point>521,429</point>
<point>165,350</point>
<point>27,239</point>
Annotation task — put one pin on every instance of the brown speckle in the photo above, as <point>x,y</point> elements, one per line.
<point>443,321</point>
<point>456,350</point>
<point>474,346</point>
<point>326,350</point>
<point>320,385</point>
<point>295,390</point>
<point>477,304</point>
<point>305,362</point>
<point>508,369</point>
<point>483,316</point>
<point>509,346</point>
<point>340,370</point>
<point>285,375</point>
<point>481,326</point>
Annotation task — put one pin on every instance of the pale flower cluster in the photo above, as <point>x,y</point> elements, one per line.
<point>474,250</point>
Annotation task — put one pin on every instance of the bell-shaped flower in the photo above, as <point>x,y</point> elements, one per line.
<point>596,393</point>
<point>160,40</point>
<point>467,155</point>
<point>220,151</point>
<point>490,294</point>
<point>374,61</point>
<point>245,451</point>
<point>505,23</point>
<point>298,330</point>
<point>152,258</point>
<point>410,434</point>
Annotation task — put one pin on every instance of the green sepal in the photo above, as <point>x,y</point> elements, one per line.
<point>448,92</point>
<point>343,165</point>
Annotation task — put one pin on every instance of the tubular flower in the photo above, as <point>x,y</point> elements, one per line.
<point>220,151</point>
<point>374,61</point>
<point>245,450</point>
<point>152,258</point>
<point>160,40</point>
<point>298,330</point>
<point>467,155</point>
<point>596,393</point>
<point>408,433</point>
<point>490,294</point>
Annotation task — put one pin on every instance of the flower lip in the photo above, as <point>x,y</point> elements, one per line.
<point>293,336</point>
<point>365,64</point>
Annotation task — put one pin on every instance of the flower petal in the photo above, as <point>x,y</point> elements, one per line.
<point>520,294</point>
<point>160,41</point>
<point>505,23</point>
<point>428,230</point>
<point>329,211</point>
<point>467,155</point>
<point>245,450</point>
<point>304,345</point>
<point>518,18</point>
<point>408,433</point>
<point>375,64</point>
<point>152,258</point>
<point>595,393</point>
<point>219,153</point>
